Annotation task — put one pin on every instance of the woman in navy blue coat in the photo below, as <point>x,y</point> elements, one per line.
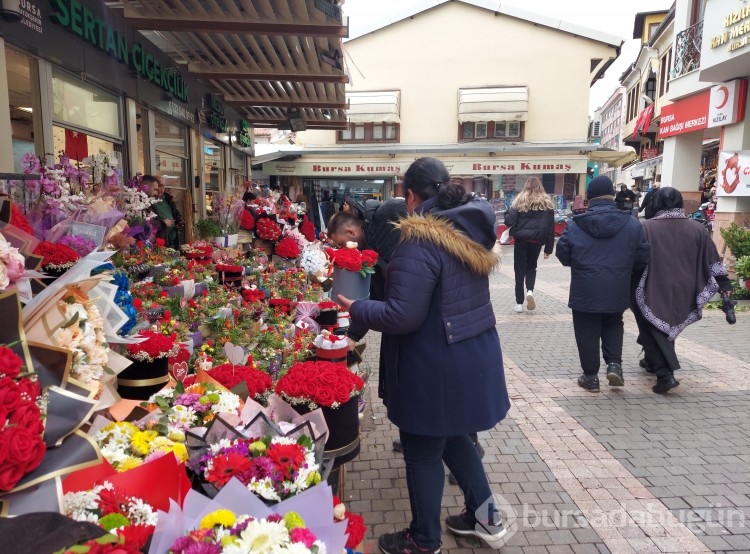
<point>440,352</point>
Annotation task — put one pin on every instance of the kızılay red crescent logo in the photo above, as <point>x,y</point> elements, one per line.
<point>725,93</point>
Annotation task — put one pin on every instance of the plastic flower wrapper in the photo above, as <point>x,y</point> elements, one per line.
<point>249,452</point>
<point>314,507</point>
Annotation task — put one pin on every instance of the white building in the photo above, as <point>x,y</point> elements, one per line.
<point>497,93</point>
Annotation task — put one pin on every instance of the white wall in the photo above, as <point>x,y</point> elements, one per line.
<point>428,58</point>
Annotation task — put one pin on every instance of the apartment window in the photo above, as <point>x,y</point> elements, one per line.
<point>696,11</point>
<point>634,95</point>
<point>665,67</point>
<point>369,132</point>
<point>491,130</point>
<point>651,88</point>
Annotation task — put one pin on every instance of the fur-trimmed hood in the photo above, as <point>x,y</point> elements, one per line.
<point>443,233</point>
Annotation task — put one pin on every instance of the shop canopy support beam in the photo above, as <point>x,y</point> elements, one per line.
<point>204,71</point>
<point>291,103</point>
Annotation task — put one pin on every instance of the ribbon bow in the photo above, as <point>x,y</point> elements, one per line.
<point>305,313</point>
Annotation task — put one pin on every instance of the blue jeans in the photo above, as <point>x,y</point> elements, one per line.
<point>425,477</point>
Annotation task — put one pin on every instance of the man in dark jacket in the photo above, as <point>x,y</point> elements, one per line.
<point>603,247</point>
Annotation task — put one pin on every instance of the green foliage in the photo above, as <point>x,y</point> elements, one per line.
<point>737,239</point>
<point>207,228</point>
<point>742,267</point>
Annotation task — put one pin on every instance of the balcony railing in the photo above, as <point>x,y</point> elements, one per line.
<point>687,57</point>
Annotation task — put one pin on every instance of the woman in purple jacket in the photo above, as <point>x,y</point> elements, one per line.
<point>440,353</point>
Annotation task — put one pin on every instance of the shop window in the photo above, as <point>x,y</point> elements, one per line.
<point>491,130</point>
<point>238,168</point>
<point>507,129</point>
<point>19,68</point>
<point>213,172</point>
<point>81,105</point>
<point>78,145</point>
<point>665,67</point>
<point>369,132</point>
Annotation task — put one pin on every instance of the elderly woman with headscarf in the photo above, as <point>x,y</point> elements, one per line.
<point>684,273</point>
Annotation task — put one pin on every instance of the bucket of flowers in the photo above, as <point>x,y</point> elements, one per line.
<point>149,371</point>
<point>333,388</point>
<point>330,347</point>
<point>352,270</point>
<point>267,232</point>
<point>230,274</point>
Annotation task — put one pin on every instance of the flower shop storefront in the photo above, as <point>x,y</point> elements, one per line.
<point>81,82</point>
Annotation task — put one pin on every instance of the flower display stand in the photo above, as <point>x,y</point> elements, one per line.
<point>142,379</point>
<point>350,284</point>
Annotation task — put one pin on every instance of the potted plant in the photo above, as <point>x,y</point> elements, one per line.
<point>228,210</point>
<point>207,229</point>
<point>742,268</point>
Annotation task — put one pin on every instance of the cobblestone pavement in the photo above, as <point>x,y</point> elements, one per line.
<point>624,470</point>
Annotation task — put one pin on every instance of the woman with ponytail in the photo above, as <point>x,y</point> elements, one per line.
<point>440,354</point>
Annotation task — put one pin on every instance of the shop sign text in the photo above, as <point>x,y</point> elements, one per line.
<point>82,22</point>
<point>736,25</point>
<point>244,136</point>
<point>31,16</point>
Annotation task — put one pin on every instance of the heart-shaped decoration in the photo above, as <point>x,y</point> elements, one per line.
<point>235,354</point>
<point>179,371</point>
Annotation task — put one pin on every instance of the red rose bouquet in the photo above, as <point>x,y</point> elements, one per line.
<point>156,346</point>
<point>287,248</point>
<point>318,383</point>
<point>267,229</point>
<point>307,229</point>
<point>56,257</point>
<point>253,295</point>
<point>258,382</point>
<point>21,431</point>
<point>229,268</point>
<point>247,222</point>
<point>352,259</point>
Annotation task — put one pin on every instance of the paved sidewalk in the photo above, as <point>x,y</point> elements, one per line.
<point>624,470</point>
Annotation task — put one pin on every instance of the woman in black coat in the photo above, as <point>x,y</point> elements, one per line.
<point>531,219</point>
<point>440,352</point>
<point>684,273</point>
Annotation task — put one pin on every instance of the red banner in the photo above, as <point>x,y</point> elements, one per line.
<point>685,116</point>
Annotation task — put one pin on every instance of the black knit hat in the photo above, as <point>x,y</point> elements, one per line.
<point>600,186</point>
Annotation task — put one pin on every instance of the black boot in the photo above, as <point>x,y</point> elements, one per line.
<point>647,367</point>
<point>589,382</point>
<point>665,383</point>
<point>614,375</point>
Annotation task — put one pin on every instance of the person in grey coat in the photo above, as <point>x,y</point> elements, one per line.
<point>603,247</point>
<point>440,353</point>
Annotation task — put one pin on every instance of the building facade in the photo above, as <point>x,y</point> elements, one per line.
<point>708,94</point>
<point>611,117</point>
<point>509,103</point>
<point>79,77</point>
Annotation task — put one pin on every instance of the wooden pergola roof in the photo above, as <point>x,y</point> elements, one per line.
<point>263,57</point>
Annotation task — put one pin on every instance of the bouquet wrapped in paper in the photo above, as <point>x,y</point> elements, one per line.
<point>235,521</point>
<point>274,452</point>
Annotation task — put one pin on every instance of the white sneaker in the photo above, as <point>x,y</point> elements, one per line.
<point>518,308</point>
<point>530,304</point>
